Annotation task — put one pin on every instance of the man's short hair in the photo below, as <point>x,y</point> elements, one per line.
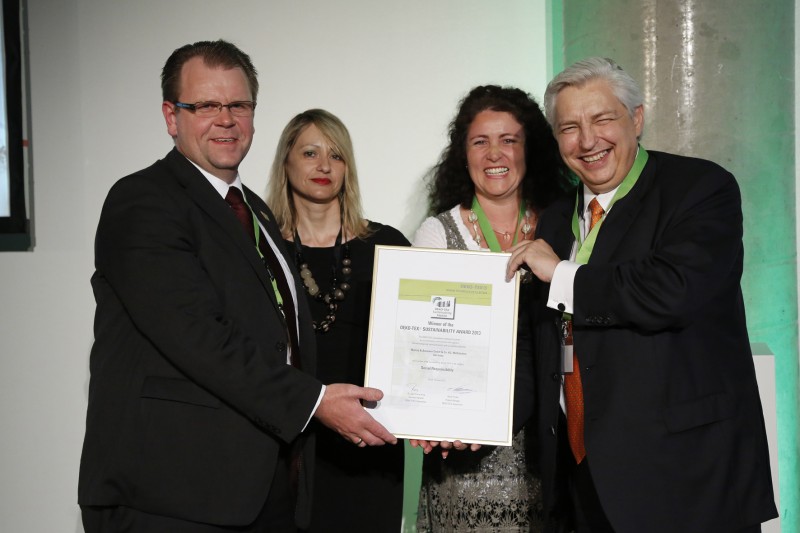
<point>622,85</point>
<point>215,54</point>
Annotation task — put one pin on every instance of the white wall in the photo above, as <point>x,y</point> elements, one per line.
<point>393,72</point>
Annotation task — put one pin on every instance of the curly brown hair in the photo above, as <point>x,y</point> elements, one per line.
<point>546,175</point>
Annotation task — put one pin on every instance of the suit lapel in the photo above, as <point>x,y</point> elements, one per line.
<point>207,199</point>
<point>305,332</point>
<point>267,220</point>
<point>562,243</point>
<point>622,216</point>
<point>556,226</point>
<point>203,194</point>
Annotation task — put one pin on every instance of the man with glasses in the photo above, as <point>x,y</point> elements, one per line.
<point>202,367</point>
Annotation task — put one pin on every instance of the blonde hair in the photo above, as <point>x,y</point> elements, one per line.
<point>279,190</point>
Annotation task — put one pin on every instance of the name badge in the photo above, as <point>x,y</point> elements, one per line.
<point>566,347</point>
<point>566,359</point>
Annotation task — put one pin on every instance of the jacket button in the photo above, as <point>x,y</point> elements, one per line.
<point>280,346</point>
<point>556,376</point>
<point>553,430</point>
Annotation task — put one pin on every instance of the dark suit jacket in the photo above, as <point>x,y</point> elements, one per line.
<point>674,430</point>
<point>190,395</point>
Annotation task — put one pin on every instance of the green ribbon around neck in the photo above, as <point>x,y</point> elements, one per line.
<point>586,246</point>
<point>257,232</point>
<point>486,228</point>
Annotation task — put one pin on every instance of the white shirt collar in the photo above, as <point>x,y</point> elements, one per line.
<point>603,199</point>
<point>221,186</point>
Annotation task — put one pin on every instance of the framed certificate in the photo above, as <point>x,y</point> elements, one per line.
<point>442,344</point>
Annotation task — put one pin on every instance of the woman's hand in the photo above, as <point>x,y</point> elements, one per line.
<point>445,446</point>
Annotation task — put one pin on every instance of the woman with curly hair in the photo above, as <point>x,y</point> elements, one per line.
<point>499,170</point>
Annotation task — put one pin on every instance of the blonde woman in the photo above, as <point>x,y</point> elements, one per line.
<point>314,194</point>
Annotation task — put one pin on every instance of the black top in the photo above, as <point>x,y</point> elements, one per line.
<point>354,488</point>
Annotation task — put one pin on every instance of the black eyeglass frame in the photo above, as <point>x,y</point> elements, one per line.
<point>218,105</point>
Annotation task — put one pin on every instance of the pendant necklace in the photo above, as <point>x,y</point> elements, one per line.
<point>337,290</point>
<point>478,218</point>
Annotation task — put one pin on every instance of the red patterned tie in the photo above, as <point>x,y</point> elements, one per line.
<point>573,388</point>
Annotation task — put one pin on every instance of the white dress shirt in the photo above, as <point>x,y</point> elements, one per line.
<point>561,295</point>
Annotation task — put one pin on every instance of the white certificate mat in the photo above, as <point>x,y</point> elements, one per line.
<point>442,344</point>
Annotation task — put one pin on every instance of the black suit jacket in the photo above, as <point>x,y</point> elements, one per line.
<point>190,395</point>
<point>674,431</point>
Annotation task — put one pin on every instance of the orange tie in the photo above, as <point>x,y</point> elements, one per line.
<point>573,389</point>
<point>597,212</point>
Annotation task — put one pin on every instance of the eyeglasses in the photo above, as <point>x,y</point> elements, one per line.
<point>212,109</point>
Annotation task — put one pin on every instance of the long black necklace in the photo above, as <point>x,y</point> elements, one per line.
<point>337,290</point>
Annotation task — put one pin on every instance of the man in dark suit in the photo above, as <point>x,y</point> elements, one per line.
<point>202,367</point>
<point>649,407</point>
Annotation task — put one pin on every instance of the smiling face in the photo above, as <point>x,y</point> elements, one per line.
<point>314,167</point>
<point>216,144</point>
<point>597,136</point>
<point>496,155</point>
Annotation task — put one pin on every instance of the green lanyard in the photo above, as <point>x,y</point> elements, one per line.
<point>486,228</point>
<point>257,232</point>
<point>585,247</point>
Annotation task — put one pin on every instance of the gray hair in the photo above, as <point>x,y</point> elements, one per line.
<point>622,85</point>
